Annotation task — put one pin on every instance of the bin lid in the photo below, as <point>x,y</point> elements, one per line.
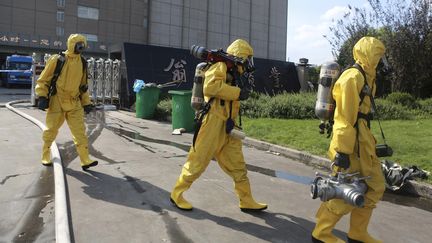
<point>180,92</point>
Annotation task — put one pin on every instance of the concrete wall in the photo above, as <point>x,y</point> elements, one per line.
<point>216,23</point>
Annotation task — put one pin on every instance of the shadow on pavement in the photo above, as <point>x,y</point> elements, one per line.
<point>280,227</point>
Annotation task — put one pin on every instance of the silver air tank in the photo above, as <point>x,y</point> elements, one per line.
<point>325,105</point>
<point>197,100</point>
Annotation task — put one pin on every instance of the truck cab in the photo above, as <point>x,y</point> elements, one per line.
<point>17,70</point>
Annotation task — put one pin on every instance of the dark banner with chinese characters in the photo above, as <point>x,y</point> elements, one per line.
<point>161,65</point>
<point>47,42</point>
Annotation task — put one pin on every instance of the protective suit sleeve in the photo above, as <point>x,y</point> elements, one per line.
<point>85,97</point>
<point>215,83</point>
<point>347,99</point>
<point>44,80</point>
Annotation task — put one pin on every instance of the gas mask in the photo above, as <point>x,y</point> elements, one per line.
<point>79,47</point>
<point>249,65</point>
<point>384,66</point>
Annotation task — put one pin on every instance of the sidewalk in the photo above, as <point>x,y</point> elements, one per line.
<point>26,188</point>
<point>126,197</point>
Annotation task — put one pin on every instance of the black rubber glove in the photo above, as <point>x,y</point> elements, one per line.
<point>43,103</point>
<point>342,160</point>
<point>88,108</point>
<point>244,94</point>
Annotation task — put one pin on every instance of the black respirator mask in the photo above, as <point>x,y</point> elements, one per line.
<point>249,65</point>
<point>384,66</point>
<point>79,47</point>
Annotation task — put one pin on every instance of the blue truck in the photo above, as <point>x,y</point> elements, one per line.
<point>17,70</point>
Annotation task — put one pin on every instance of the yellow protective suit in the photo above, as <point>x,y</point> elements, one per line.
<point>212,140</point>
<point>346,92</point>
<point>68,103</point>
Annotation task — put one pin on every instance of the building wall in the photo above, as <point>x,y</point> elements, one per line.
<point>171,23</point>
<point>216,23</point>
<point>36,21</point>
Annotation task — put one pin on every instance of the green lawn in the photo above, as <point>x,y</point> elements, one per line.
<point>411,140</point>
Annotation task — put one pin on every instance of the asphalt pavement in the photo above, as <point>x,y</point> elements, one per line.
<point>126,197</point>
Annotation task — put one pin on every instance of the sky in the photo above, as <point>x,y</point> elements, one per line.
<point>308,21</point>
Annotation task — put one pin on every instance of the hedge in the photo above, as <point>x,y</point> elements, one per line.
<point>396,106</point>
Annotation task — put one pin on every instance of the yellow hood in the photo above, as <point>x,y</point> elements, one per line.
<point>240,48</point>
<point>72,40</point>
<point>368,52</point>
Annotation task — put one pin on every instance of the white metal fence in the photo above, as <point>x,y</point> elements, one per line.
<point>104,80</point>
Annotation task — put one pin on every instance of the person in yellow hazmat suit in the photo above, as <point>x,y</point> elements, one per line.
<point>69,102</point>
<point>213,141</point>
<point>352,147</point>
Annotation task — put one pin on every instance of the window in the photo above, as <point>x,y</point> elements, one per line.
<point>60,16</point>
<point>19,66</point>
<point>88,13</point>
<point>90,37</point>
<point>60,3</point>
<point>59,31</point>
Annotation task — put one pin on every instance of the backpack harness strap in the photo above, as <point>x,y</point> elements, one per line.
<point>52,90</point>
<point>199,117</point>
<point>366,91</point>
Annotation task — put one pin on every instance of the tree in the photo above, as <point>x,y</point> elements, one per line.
<point>405,27</point>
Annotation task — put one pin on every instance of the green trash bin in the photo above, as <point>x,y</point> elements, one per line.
<point>146,102</point>
<point>182,113</point>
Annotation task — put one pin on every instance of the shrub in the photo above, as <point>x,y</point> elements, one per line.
<point>286,105</point>
<point>388,110</point>
<point>403,99</point>
<point>294,106</point>
<point>302,106</point>
<point>163,110</point>
<point>254,107</point>
<point>426,105</point>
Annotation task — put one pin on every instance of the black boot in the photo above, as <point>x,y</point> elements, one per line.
<point>353,241</point>
<point>85,167</point>
<point>314,240</point>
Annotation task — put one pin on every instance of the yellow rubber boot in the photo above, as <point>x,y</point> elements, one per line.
<point>247,203</point>
<point>83,153</point>
<point>177,195</point>
<point>46,155</point>
<point>326,221</point>
<point>358,226</point>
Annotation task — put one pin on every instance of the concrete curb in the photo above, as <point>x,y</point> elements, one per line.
<point>304,157</point>
<point>412,187</point>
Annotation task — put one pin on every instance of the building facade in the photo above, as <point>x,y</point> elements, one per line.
<point>28,26</point>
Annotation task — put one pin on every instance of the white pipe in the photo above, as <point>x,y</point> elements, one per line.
<point>61,216</point>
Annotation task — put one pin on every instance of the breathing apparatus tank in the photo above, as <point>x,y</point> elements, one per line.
<point>325,105</point>
<point>197,100</point>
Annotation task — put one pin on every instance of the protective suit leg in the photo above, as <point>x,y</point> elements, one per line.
<point>231,160</point>
<point>75,120</point>
<point>54,120</point>
<point>326,221</point>
<point>358,225</point>
<point>192,169</point>
<point>177,195</point>
<point>247,202</point>
<point>206,145</point>
<point>360,216</point>
<point>46,155</point>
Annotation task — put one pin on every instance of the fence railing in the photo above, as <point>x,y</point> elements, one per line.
<point>104,80</point>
